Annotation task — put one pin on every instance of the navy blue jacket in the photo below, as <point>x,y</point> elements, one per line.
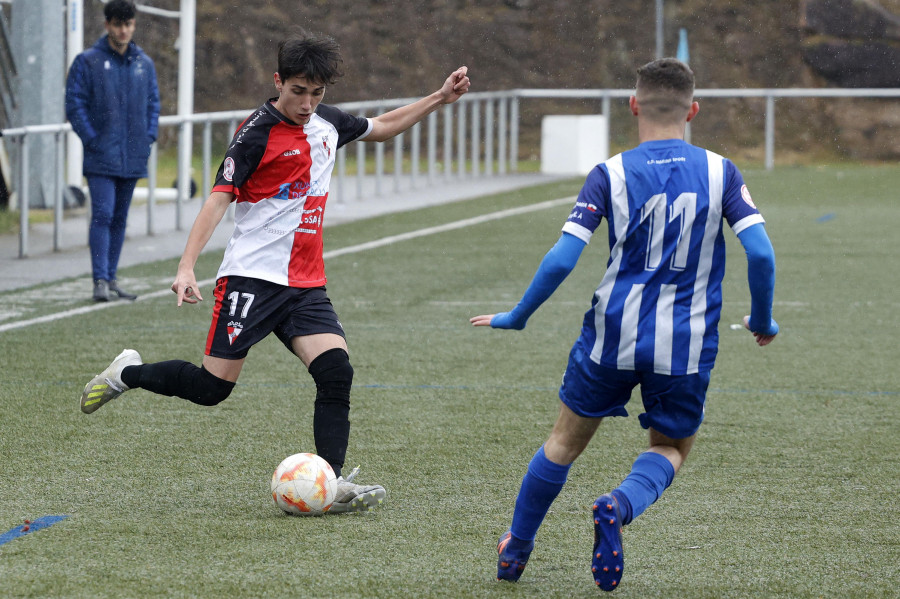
<point>112,102</point>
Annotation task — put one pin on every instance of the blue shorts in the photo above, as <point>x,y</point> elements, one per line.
<point>673,405</point>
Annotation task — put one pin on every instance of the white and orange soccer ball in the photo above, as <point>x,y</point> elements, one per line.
<point>304,484</point>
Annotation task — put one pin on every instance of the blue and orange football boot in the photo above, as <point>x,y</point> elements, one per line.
<point>607,560</point>
<point>511,561</point>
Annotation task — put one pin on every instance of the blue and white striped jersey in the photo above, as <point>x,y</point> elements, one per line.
<point>657,307</point>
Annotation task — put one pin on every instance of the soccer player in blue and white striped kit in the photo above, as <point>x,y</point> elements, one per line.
<point>653,319</point>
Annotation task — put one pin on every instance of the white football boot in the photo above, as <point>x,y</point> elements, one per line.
<point>108,384</point>
<point>351,497</point>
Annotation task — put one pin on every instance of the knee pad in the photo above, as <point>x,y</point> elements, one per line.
<point>333,376</point>
<point>209,390</point>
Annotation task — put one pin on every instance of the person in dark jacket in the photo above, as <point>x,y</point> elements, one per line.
<point>112,102</point>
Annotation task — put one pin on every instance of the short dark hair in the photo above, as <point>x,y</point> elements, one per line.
<point>316,57</point>
<point>665,87</point>
<point>119,10</point>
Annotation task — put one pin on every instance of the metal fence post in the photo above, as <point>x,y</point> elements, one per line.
<point>432,146</point>
<point>379,166</point>
<point>488,137</point>
<point>58,186</point>
<point>503,121</point>
<point>448,141</point>
<point>414,155</point>
<point>207,160</point>
<point>461,139</point>
<point>341,176</point>
<point>23,196</point>
<point>151,189</point>
<point>605,108</point>
<point>398,160</point>
<point>514,135</point>
<point>476,138</point>
<point>360,165</point>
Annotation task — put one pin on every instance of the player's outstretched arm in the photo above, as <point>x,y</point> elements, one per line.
<point>554,268</point>
<point>210,215</point>
<point>389,124</point>
<point>761,278</point>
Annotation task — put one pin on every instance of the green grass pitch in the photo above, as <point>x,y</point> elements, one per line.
<point>791,490</point>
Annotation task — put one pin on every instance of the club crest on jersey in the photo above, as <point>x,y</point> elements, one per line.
<point>325,145</point>
<point>745,194</point>
<point>228,171</point>
<point>234,329</point>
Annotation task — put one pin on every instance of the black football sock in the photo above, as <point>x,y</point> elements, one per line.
<point>333,375</point>
<point>177,378</point>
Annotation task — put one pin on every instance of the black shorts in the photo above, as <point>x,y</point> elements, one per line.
<point>247,310</point>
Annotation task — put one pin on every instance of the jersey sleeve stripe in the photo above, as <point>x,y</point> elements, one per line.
<point>747,221</point>
<point>582,233</point>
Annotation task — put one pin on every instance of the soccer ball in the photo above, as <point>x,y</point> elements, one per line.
<point>304,484</point>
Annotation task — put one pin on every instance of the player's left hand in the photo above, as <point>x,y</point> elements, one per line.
<point>762,339</point>
<point>456,85</point>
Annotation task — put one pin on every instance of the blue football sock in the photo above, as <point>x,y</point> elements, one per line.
<point>650,475</point>
<point>625,510</point>
<point>542,483</point>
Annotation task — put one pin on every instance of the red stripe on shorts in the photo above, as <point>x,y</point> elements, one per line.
<point>219,294</point>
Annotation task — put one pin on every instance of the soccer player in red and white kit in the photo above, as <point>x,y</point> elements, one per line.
<point>277,171</point>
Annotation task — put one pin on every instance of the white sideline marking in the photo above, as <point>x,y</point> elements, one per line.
<point>353,249</point>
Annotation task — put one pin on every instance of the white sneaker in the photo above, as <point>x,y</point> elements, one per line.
<point>351,497</point>
<point>108,384</point>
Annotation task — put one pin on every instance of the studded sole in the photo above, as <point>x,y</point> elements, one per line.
<point>607,560</point>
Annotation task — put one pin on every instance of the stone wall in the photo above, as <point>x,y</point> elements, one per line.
<point>856,43</point>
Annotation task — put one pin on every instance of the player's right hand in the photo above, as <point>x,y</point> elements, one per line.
<point>185,288</point>
<point>503,320</point>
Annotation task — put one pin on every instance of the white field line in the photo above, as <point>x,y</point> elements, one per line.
<point>353,249</point>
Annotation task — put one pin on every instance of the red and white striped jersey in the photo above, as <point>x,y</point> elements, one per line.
<point>280,173</point>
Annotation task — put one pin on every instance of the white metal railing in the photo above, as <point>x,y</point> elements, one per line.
<point>485,126</point>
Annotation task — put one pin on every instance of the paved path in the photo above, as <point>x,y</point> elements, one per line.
<point>43,265</point>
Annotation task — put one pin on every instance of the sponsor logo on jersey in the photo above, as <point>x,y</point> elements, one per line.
<point>745,193</point>
<point>299,189</point>
<point>228,171</point>
<point>292,153</point>
<point>587,205</point>
<point>667,160</point>
<point>234,329</point>
<point>309,218</point>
